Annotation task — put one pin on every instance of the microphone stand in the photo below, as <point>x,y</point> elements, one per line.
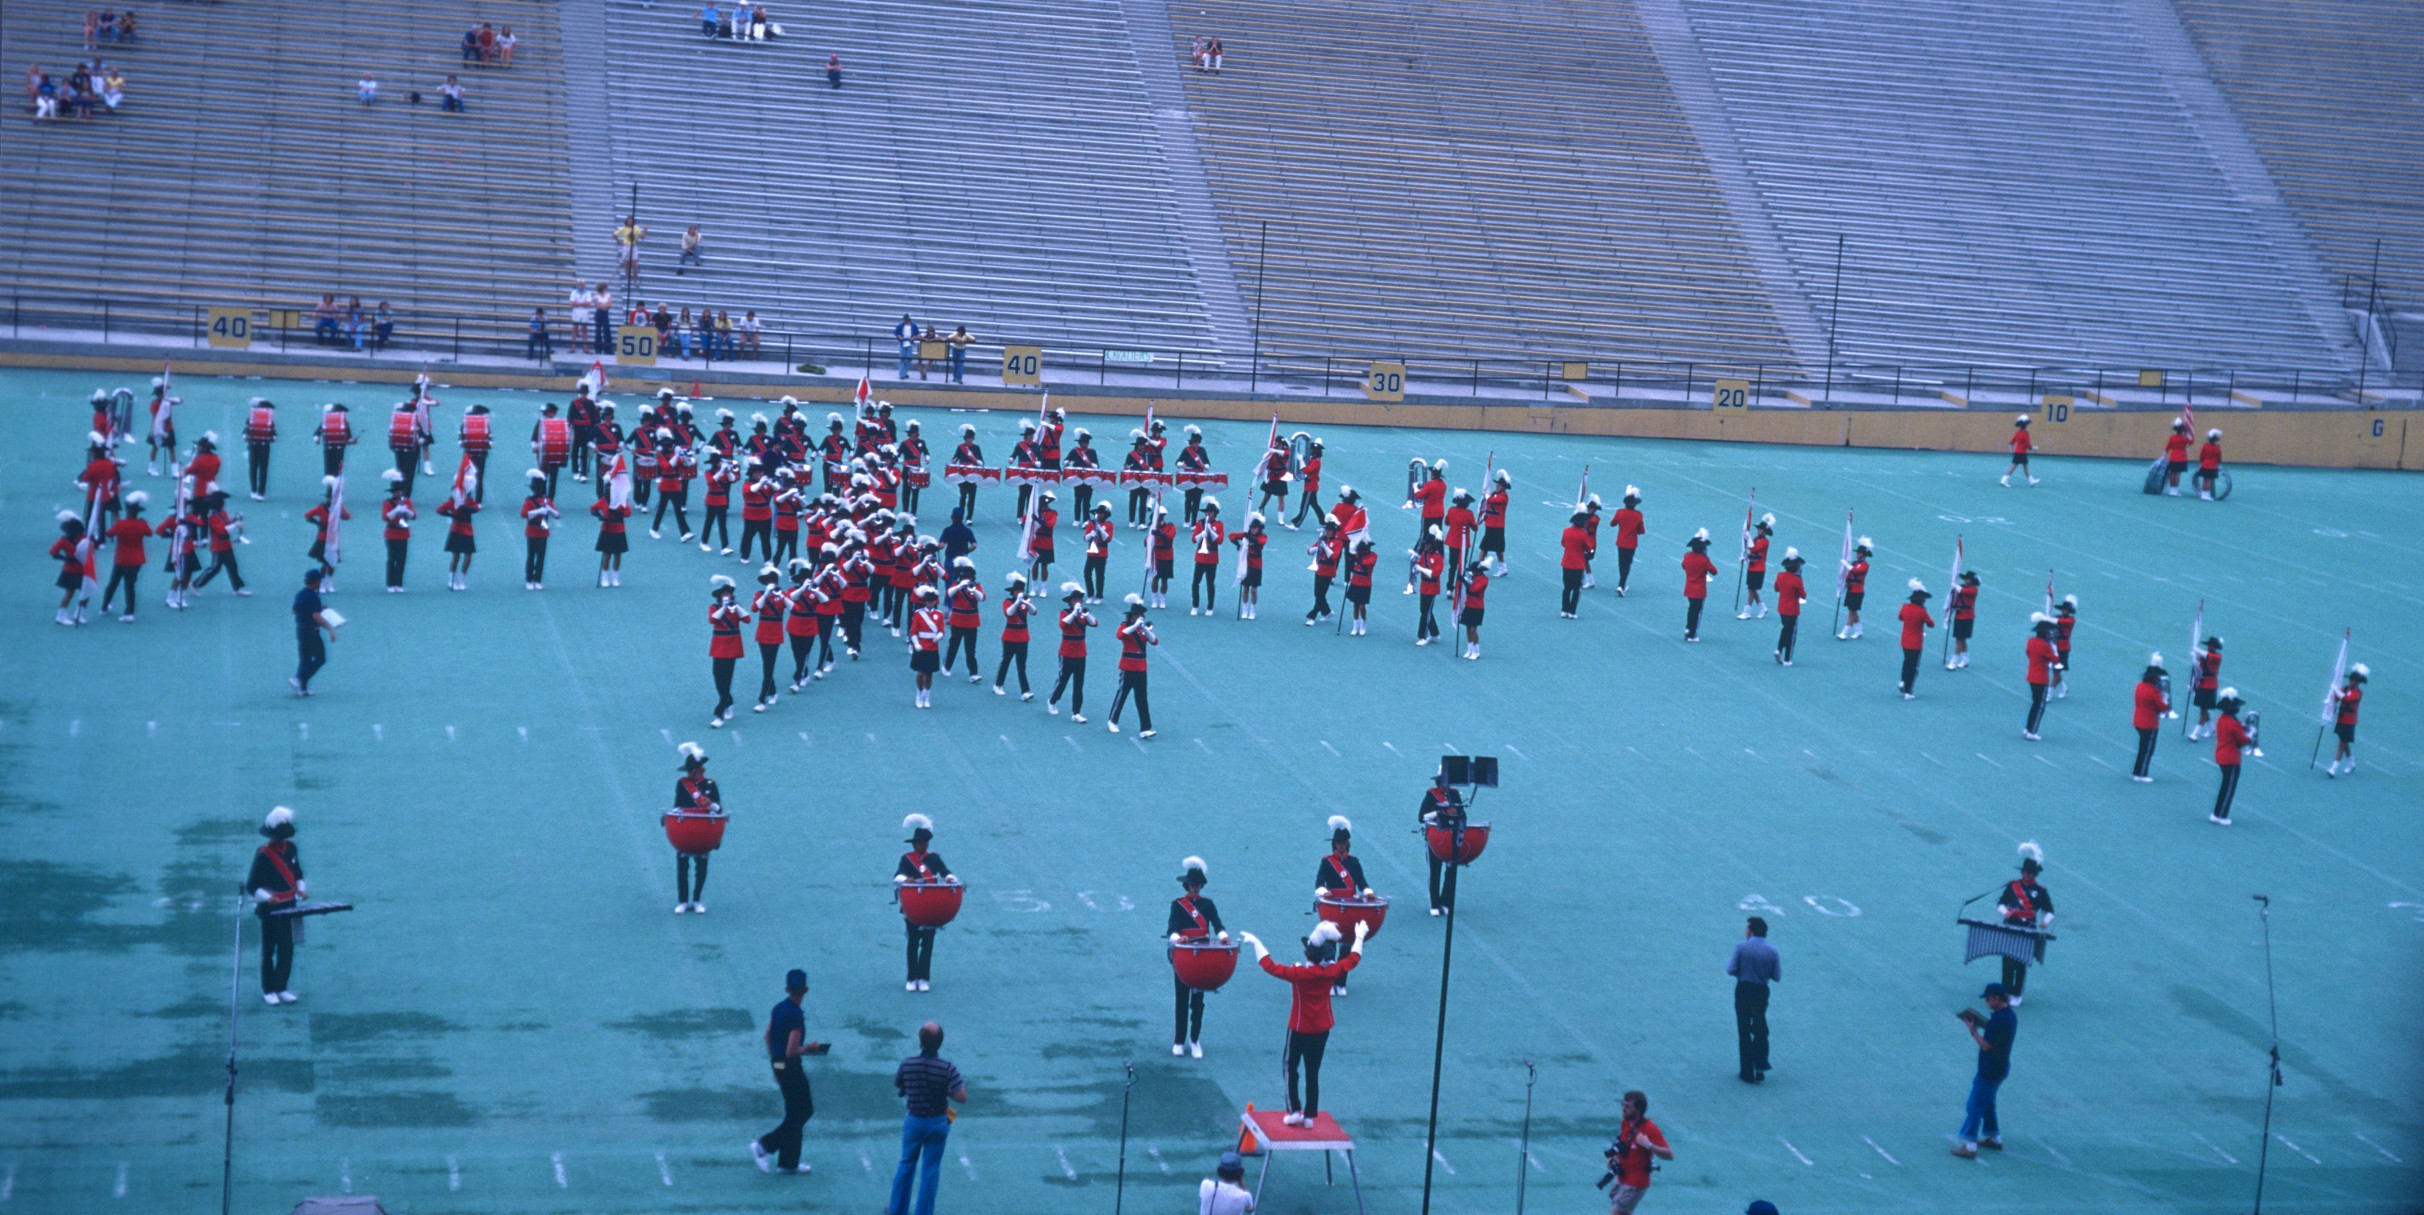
<point>1523,1158</point>
<point>2263,1146</point>
<point>235,991</point>
<point>1439,1040</point>
<point>1119,1193</point>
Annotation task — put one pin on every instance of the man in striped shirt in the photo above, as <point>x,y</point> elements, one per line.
<point>927,1083</point>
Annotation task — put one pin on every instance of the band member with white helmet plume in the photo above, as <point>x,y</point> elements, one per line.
<point>724,650</point>
<point>1697,570</point>
<point>2209,465</point>
<point>1250,544</point>
<point>694,792</point>
<point>964,601</point>
<point>2021,444</point>
<point>1017,609</point>
<point>539,514</point>
<point>1340,875</point>
<point>2233,740</point>
<point>1074,620</point>
<point>1494,521</point>
<point>2148,703</point>
<point>1963,611</point>
<point>1134,633</point>
<point>397,514</point>
<point>926,629</point>
<point>1208,533</point>
<point>333,487</point>
<point>2344,703</point>
<point>771,604</point>
<point>2024,904</point>
<point>1309,1016</point>
<point>2042,660</point>
<point>1791,594</point>
<point>1915,624</point>
<point>1193,917</point>
<point>1855,588</point>
<point>275,883</point>
<point>1098,530</point>
<point>920,864</point>
<point>1754,568</point>
<point>2175,456</point>
<point>2066,618</point>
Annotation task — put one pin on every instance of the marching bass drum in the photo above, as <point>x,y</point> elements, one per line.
<point>1443,844</point>
<point>694,834</point>
<point>1204,965</point>
<point>1348,910</point>
<point>929,904</point>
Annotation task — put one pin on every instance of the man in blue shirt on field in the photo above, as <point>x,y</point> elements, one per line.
<point>778,1150</point>
<point>1993,1033</point>
<point>927,1083</point>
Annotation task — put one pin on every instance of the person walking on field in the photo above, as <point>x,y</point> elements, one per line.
<point>2148,705</point>
<point>1637,1140</point>
<point>1790,595</point>
<point>2021,445</point>
<point>1697,570</point>
<point>2232,742</point>
<point>1754,966</point>
<point>1915,624</point>
<point>778,1150</point>
<point>926,1082</point>
<point>2344,721</point>
<point>1993,1033</point>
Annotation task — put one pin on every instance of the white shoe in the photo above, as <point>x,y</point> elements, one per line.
<point>2217,820</point>
<point>269,997</point>
<point>1952,666</point>
<point>1114,727</point>
<point>296,684</point>
<point>2143,780</point>
<point>1191,611</point>
<point>1195,1049</point>
<point>2031,737</point>
<point>1293,1119</point>
<point>1079,718</point>
<point>654,534</point>
<point>1051,709</point>
<point>1744,614</point>
<point>1145,733</point>
<point>1026,696</point>
<point>759,707</point>
<point>976,679</point>
<point>1422,641</point>
<point>1843,634</point>
<point>2015,1001</point>
<point>681,908</point>
<point>709,548</point>
<point>715,723</point>
<point>765,1162</point>
<point>802,1169</point>
<point>2062,691</point>
<point>911,985</point>
<point>287,997</point>
<point>997,689</point>
<point>1471,655</point>
<point>2032,481</point>
<point>698,909</point>
<point>1906,696</point>
<point>925,985</point>
<point>1178,1049</point>
<point>2007,482</point>
<point>1435,911</point>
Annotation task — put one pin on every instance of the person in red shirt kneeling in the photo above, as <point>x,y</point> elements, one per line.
<point>1309,1016</point>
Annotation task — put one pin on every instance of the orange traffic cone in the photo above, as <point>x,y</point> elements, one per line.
<point>1247,1144</point>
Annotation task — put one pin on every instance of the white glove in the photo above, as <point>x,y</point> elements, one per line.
<point>901,879</point>
<point>260,895</point>
<point>1175,938</point>
<point>1255,941</point>
<point>2046,920</point>
<point>1224,938</point>
<point>1367,892</point>
<point>951,880</point>
<point>303,888</point>
<point>1321,892</point>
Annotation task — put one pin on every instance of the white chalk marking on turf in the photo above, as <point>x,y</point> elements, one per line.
<point>345,1175</point>
<point>1443,1162</point>
<point>1988,758</point>
<point>454,1175</point>
<point>664,1174</point>
<point>75,726</point>
<point>1071,739</point>
<point>1889,1156</point>
<point>2226,1157</point>
<point>736,739</point>
<point>8,1182</point>
<point>1393,750</point>
<point>667,735</point>
<point>866,1163</point>
<point>523,731</point>
<point>1932,759</point>
<point>2049,763</point>
<point>304,728</point>
<point>1207,749</point>
<point>1325,745</point>
<point>1788,1146</point>
<point>1155,1153</point>
<point>117,1189</point>
<point>450,733</point>
<point>2295,1148</point>
<point>151,729</point>
<point>2101,760</point>
<point>378,733</point>
<point>1754,755</point>
<point>557,1159</point>
<point>1007,743</point>
<point>2360,1138</point>
<point>967,1164</point>
<point>1517,752</point>
<point>1533,1160</point>
<point>804,739</point>
<point>2055,1152</point>
<point>870,737</point>
<point>1066,1170</point>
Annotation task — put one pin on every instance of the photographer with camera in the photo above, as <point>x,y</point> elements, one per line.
<point>1993,1032</point>
<point>1637,1140</point>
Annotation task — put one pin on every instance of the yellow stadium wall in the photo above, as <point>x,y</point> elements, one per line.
<point>2340,438</point>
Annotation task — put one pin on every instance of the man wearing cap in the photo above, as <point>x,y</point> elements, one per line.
<point>1993,1033</point>
<point>2024,904</point>
<point>311,620</point>
<point>1309,1017</point>
<point>1754,966</point>
<point>1225,1192</point>
<point>276,883</point>
<point>778,1150</point>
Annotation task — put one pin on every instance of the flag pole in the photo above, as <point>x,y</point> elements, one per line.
<point>1742,561</point>
<point>1951,593</point>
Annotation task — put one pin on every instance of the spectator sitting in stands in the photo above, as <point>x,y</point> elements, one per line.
<point>723,333</point>
<point>759,28</point>
<point>663,321</point>
<point>357,321</point>
<point>471,45</point>
<point>750,327</point>
<point>690,251</point>
<point>126,26</point>
<point>108,25</point>
<point>505,44</point>
<point>1207,56</point>
<point>325,318</point>
<point>46,98</point>
<point>833,69</point>
<point>92,21</point>
<point>450,96</point>
<point>702,342</point>
<point>488,43</point>
<point>685,343</point>
<point>712,23</point>
<point>113,88</point>
<point>367,88</point>
<point>383,326</point>
<point>80,91</point>
<point>33,83</point>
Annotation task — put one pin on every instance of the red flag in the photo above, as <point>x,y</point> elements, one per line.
<point>865,393</point>
<point>466,482</point>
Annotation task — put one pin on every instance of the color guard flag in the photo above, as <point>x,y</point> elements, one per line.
<point>2196,631</point>
<point>1953,585</point>
<point>466,482</point>
<point>864,395</point>
<point>1748,512</point>
<point>2339,675</point>
<point>1843,564</point>
<point>336,521</point>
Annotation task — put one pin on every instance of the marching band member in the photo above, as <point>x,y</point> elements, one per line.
<point>100,480</point>
<point>2066,616</point>
<point>73,552</point>
<point>2204,686</point>
<point>1494,521</point>
<point>1790,595</point>
<point>771,605</point>
<point>477,441</point>
<point>1340,875</point>
<point>1915,624</point>
<point>1141,458</point>
<point>1046,519</point>
<point>1855,589</point>
<point>461,541</point>
<point>1165,553</point>
<point>1081,456</point>
<point>127,557</point>
<point>580,433</point>
<point>1048,438</point>
<point>968,453</point>
<point>757,510</point>
<point>1192,458</point>
<point>1574,560</point>
<point>2175,457</point>
<point>2024,904</point>
<point>1964,613</point>
<point>800,619</point>
<point>336,434</point>
<point>1250,544</point>
<point>183,530</point>
<point>858,590</point>
<point>260,430</point>
<point>2209,465</point>
<point>1208,532</point>
<point>276,883</point>
<point>2148,703</point>
<point>920,864</point>
<point>925,641</point>
<point>1193,917</point>
<point>1697,570</point>
<point>397,514</point>
<point>2042,659</point>
<point>613,541</point>
<point>404,441</point>
<point>2231,741</point>
<point>789,493</point>
<point>1272,471</point>
<point>203,469</point>
<point>695,792</point>
<point>1016,609</point>
<point>676,467</point>
<point>2344,720</point>
<point>318,517</point>
<point>1308,486</point>
<point>966,600</point>
<point>554,442</point>
<point>1360,564</point>
<point>161,435</point>
<point>1098,533</point>
<point>724,621</point>
<point>1590,524</point>
<point>1134,633</point>
<point>1442,807</point>
<point>2021,445</point>
<point>1354,522</point>
<point>1476,588</point>
<point>1074,621</point>
<point>1430,565</point>
<point>1309,1017</point>
<point>1026,456</point>
<point>1462,527</point>
<point>539,514</point>
<point>916,475</point>
<point>1754,568</point>
<point>715,524</point>
<point>1326,552</point>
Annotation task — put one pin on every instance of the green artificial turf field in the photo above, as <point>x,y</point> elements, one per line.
<point>513,1021</point>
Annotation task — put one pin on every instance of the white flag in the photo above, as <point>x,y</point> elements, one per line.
<point>2339,675</point>
<point>335,547</point>
<point>1843,565</point>
<point>2196,631</point>
<point>1952,587</point>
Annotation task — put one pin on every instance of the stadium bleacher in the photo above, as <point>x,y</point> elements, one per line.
<point>2013,185</point>
<point>243,169</point>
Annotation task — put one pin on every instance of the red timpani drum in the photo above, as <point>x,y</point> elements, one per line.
<point>1347,911</point>
<point>1204,965</point>
<point>694,834</point>
<point>1476,838</point>
<point>930,904</point>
